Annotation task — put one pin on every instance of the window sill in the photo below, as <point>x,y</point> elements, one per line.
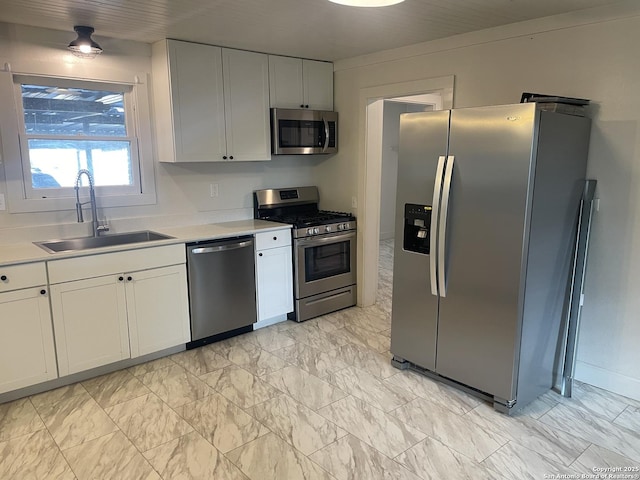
<point>32,205</point>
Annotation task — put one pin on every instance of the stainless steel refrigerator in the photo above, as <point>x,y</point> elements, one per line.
<point>487,203</point>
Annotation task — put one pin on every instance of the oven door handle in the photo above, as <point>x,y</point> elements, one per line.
<point>326,239</point>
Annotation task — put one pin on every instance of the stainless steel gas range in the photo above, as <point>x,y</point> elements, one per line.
<point>324,249</point>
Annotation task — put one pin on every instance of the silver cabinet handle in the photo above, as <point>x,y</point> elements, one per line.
<point>433,240</point>
<point>222,248</point>
<point>442,231</point>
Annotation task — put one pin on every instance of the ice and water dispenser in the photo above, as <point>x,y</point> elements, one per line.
<point>417,225</point>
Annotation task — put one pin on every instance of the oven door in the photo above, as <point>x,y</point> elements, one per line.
<point>325,263</point>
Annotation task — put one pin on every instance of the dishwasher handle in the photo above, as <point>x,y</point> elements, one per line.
<point>222,248</point>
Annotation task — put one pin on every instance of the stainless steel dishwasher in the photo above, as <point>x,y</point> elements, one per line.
<point>222,289</point>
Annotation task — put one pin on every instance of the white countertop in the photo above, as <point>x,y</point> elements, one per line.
<point>28,252</point>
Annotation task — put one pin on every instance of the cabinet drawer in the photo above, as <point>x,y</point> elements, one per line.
<point>89,266</point>
<point>26,275</point>
<point>273,239</point>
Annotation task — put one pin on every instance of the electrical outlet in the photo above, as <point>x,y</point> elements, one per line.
<point>354,202</point>
<point>213,188</point>
<point>596,204</point>
<point>3,205</point>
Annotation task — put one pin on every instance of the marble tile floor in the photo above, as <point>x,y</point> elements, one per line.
<point>316,400</point>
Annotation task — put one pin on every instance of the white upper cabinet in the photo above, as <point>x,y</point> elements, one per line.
<point>285,82</point>
<point>246,102</point>
<point>297,83</point>
<point>198,101</point>
<point>211,104</point>
<point>318,85</point>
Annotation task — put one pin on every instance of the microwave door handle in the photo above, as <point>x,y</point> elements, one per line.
<point>326,134</point>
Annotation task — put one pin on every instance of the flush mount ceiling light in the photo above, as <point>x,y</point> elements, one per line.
<point>84,46</point>
<point>367,3</point>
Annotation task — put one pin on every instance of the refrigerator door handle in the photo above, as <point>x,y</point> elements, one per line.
<point>442,230</point>
<point>433,240</point>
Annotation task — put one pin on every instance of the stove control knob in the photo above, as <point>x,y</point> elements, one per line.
<point>341,226</point>
<point>309,231</point>
<point>316,230</point>
<point>327,228</point>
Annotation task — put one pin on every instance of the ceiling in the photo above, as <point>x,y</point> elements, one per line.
<point>316,29</point>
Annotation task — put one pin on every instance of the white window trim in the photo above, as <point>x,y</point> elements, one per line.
<point>11,157</point>
<point>132,138</point>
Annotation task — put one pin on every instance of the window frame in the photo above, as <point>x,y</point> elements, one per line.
<point>22,197</point>
<point>130,128</point>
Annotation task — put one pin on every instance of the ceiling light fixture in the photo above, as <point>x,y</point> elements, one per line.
<point>367,3</point>
<point>84,46</point>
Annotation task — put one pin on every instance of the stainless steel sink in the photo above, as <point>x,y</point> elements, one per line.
<point>86,243</point>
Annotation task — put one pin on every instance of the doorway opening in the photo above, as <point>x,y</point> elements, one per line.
<point>379,165</point>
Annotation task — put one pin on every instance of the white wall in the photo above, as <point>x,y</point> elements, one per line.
<point>590,54</point>
<point>183,194</point>
<point>389,174</point>
<point>390,130</point>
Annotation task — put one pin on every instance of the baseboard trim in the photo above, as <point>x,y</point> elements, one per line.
<point>608,380</point>
<point>86,375</point>
<point>386,236</point>
<point>270,321</point>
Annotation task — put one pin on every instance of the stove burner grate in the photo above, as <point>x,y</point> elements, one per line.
<point>321,217</point>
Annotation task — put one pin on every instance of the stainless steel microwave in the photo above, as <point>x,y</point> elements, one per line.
<point>303,132</point>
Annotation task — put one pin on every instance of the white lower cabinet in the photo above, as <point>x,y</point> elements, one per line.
<point>27,354</point>
<point>113,316</point>
<point>90,320</point>
<point>274,275</point>
<point>157,306</point>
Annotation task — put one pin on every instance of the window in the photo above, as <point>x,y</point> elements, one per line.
<point>67,128</point>
<point>65,125</point>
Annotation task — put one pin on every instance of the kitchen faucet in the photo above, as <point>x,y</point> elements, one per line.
<point>97,228</point>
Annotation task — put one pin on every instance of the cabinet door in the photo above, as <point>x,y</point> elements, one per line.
<point>197,101</point>
<point>90,321</point>
<point>285,82</point>
<point>27,355</point>
<point>246,100</point>
<point>158,309</point>
<point>274,282</point>
<point>318,84</point>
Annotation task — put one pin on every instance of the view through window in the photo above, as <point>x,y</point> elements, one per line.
<point>67,129</point>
